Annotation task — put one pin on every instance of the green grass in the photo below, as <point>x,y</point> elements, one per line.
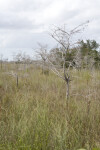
<point>34,115</point>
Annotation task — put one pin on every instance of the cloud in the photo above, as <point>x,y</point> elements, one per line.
<point>23,23</point>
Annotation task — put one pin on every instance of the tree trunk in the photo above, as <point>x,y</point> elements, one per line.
<point>17,80</point>
<point>67,89</point>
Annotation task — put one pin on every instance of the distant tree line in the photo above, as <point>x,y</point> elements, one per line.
<point>85,55</point>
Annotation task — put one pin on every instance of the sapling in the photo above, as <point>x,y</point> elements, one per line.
<point>66,41</point>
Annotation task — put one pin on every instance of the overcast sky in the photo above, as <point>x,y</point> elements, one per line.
<point>23,23</point>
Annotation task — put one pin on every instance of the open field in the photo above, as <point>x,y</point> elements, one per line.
<point>34,115</point>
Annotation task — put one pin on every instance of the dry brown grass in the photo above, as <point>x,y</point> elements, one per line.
<point>34,116</point>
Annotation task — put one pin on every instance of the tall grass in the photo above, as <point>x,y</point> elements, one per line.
<point>34,115</point>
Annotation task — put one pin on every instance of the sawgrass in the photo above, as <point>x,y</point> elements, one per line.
<point>34,115</point>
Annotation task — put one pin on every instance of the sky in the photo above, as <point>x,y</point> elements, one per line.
<point>24,23</point>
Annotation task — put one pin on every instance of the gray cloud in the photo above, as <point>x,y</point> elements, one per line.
<point>14,21</point>
<point>23,23</point>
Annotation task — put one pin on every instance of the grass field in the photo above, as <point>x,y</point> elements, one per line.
<point>34,115</point>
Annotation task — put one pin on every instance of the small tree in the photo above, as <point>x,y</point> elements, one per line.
<point>22,59</point>
<point>67,42</point>
<point>17,58</point>
<point>77,59</point>
<point>26,60</point>
<point>42,53</point>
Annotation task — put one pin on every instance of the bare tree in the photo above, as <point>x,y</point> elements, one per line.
<point>67,42</point>
<point>77,59</point>
<point>21,59</point>
<point>17,58</point>
<point>26,60</point>
<point>42,53</point>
